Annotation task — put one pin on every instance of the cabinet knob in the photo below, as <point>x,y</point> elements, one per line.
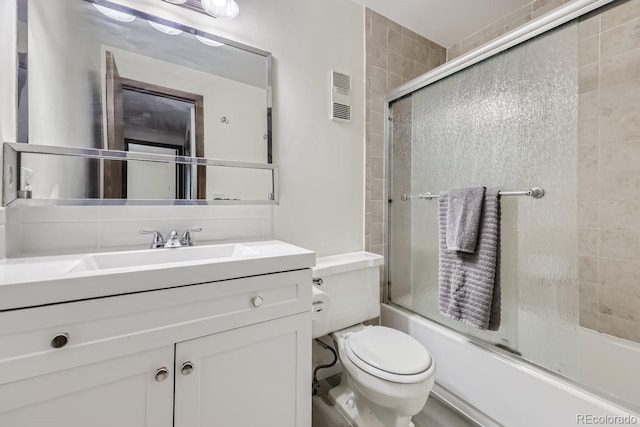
<point>257,301</point>
<point>60,340</point>
<point>162,374</point>
<point>187,368</point>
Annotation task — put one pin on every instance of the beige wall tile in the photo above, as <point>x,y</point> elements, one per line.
<point>588,76</point>
<point>621,13</point>
<point>377,123</point>
<point>493,31</point>
<point>620,244</point>
<point>618,273</point>
<point>377,167</point>
<point>588,297</point>
<point>620,112</point>
<point>620,39</point>
<point>589,319</point>
<point>408,68</point>
<point>393,80</point>
<point>588,214</point>
<point>589,26</point>
<point>394,40</point>
<point>395,63</point>
<point>621,303</point>
<point>542,7</point>
<point>408,33</point>
<point>377,211</point>
<point>621,68</point>
<point>378,79</point>
<point>620,157</point>
<point>422,53</point>
<point>619,327</point>
<point>377,189</point>
<point>377,145</point>
<point>376,56</point>
<point>377,101</point>
<point>619,216</point>
<point>588,119</point>
<point>589,50</point>
<point>618,186</point>
<point>409,47</point>
<point>377,233</point>
<point>454,51</point>
<point>588,242</point>
<point>518,18</point>
<point>471,42</point>
<point>588,269</point>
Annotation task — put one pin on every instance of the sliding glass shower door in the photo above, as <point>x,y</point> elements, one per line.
<point>510,123</point>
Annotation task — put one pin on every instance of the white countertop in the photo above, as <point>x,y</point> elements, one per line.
<point>33,281</point>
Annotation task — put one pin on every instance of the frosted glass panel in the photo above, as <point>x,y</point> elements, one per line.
<point>509,122</point>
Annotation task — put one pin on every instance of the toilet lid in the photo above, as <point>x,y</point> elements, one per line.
<point>387,350</point>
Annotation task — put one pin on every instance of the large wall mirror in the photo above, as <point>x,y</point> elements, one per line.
<point>98,75</point>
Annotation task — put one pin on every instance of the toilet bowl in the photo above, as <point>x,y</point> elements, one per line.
<point>386,374</point>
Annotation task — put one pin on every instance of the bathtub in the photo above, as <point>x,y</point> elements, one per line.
<point>506,389</point>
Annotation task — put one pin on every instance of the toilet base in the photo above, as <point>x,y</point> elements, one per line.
<point>345,401</point>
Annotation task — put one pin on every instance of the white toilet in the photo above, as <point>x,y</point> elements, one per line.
<point>387,375</point>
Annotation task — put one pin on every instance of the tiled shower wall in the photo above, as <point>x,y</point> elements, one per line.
<point>609,171</point>
<point>394,55</point>
<point>503,25</point>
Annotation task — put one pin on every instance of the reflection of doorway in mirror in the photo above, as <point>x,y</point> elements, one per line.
<point>152,180</point>
<point>159,116</point>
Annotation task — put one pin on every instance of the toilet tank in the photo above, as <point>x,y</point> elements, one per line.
<point>352,283</point>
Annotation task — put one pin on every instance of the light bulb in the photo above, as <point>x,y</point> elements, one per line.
<point>221,9</point>
<point>165,28</point>
<point>209,42</point>
<point>114,14</point>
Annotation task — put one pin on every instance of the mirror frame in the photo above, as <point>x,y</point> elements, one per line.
<point>22,64</point>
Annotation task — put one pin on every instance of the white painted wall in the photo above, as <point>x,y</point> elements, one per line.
<point>321,162</point>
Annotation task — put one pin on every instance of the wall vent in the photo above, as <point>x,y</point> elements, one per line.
<point>340,96</point>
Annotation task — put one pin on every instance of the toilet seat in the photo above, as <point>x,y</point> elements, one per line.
<point>388,354</point>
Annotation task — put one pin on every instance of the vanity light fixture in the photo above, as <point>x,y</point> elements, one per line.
<point>176,1</point>
<point>165,28</point>
<point>114,14</point>
<point>221,9</point>
<point>209,42</point>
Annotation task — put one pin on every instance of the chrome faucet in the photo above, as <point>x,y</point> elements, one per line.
<point>186,236</point>
<point>158,240</point>
<point>173,241</point>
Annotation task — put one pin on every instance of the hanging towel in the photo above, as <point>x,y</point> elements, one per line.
<point>469,288</point>
<point>463,218</point>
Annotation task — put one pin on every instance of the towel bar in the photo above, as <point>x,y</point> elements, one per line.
<point>535,192</point>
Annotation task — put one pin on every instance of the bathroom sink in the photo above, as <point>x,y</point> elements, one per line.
<point>32,281</point>
<point>102,261</point>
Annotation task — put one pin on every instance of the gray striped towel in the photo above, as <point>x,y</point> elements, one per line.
<point>469,285</point>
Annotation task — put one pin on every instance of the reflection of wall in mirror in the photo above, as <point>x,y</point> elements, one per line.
<point>64,75</point>
<point>241,139</point>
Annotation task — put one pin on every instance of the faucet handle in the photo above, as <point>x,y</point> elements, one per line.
<point>158,240</point>
<point>186,236</point>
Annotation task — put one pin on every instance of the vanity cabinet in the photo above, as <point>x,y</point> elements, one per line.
<point>234,352</point>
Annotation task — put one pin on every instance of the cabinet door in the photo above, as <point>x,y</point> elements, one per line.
<point>258,375</point>
<point>118,392</point>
